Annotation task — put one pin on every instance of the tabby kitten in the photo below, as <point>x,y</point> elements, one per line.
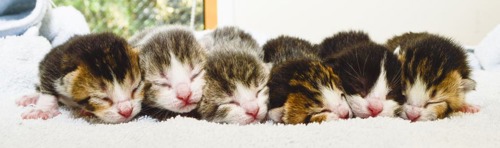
<point>236,77</point>
<point>285,48</point>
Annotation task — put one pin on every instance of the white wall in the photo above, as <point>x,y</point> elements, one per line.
<point>467,21</point>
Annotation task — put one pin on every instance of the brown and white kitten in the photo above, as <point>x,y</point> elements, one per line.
<point>435,78</point>
<point>236,77</point>
<point>305,91</point>
<point>285,48</point>
<point>370,74</point>
<point>172,62</point>
<point>96,73</point>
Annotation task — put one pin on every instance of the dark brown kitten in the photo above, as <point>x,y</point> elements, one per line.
<point>285,48</point>
<point>97,73</point>
<point>435,77</point>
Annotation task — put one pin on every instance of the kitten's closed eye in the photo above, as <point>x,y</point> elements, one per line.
<point>433,102</point>
<point>195,75</point>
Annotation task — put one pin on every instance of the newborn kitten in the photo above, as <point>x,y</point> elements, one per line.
<point>96,73</point>
<point>305,91</point>
<point>285,48</point>
<point>236,77</point>
<point>435,78</point>
<point>370,74</point>
<point>172,63</point>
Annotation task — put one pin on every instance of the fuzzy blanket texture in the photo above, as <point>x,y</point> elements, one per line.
<point>19,63</point>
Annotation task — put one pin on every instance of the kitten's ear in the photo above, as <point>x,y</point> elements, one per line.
<point>276,114</point>
<point>268,67</point>
<point>467,85</point>
<point>397,50</point>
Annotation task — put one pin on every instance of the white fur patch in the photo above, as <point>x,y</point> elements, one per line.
<point>417,94</point>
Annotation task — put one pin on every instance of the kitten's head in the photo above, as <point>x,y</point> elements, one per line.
<point>173,63</point>
<point>371,78</point>
<point>304,91</point>
<point>335,44</point>
<point>435,78</point>
<point>107,81</point>
<point>285,48</point>
<point>236,90</point>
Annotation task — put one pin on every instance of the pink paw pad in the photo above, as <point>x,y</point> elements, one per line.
<point>467,108</point>
<point>40,114</point>
<point>27,100</point>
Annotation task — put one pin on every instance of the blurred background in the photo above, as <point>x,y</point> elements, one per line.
<point>125,17</point>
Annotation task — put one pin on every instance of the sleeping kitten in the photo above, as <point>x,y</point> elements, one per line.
<point>285,48</point>
<point>435,78</point>
<point>305,91</point>
<point>370,74</point>
<point>236,78</point>
<point>96,73</point>
<point>173,64</point>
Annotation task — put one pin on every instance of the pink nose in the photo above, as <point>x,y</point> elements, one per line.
<point>413,116</point>
<point>251,108</point>
<point>375,106</point>
<point>183,92</point>
<point>344,114</point>
<point>125,109</point>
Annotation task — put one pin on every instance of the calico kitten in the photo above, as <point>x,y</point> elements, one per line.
<point>305,91</point>
<point>370,74</point>
<point>435,78</point>
<point>236,77</point>
<point>342,40</point>
<point>173,65</point>
<point>96,73</point>
<point>285,48</point>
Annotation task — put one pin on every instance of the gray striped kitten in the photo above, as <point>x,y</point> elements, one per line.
<point>236,77</point>
<point>172,62</point>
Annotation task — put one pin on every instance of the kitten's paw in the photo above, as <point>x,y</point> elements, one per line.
<point>28,99</point>
<point>468,108</point>
<point>40,113</point>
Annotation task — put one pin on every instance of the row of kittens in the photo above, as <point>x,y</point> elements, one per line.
<point>226,77</point>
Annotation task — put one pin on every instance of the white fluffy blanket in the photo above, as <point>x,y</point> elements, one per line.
<point>18,64</point>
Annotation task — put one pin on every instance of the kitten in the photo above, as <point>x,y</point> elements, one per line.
<point>285,48</point>
<point>435,78</point>
<point>305,91</point>
<point>97,73</point>
<point>173,65</point>
<point>236,77</point>
<point>370,74</point>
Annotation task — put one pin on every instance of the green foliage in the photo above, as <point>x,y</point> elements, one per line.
<point>125,17</point>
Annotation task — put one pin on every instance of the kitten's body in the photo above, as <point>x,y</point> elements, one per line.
<point>235,91</point>
<point>370,74</point>
<point>173,66</point>
<point>97,73</point>
<point>304,91</point>
<point>435,77</point>
<point>285,48</point>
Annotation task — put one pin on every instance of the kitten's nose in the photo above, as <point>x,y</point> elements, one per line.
<point>183,92</point>
<point>375,106</point>
<point>251,108</point>
<point>344,114</point>
<point>412,115</point>
<point>125,109</point>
